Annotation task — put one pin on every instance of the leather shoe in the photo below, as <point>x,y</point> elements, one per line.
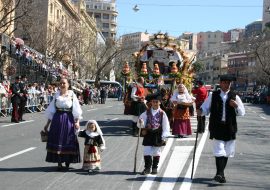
<point>220,179</point>
<point>145,172</point>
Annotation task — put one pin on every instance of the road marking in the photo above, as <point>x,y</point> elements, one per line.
<point>262,117</point>
<point>186,139</point>
<point>151,178</point>
<point>16,123</point>
<point>17,153</point>
<point>92,109</point>
<point>111,120</point>
<point>176,164</point>
<point>186,184</point>
<point>108,107</point>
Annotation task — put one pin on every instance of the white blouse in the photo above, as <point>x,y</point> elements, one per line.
<point>68,101</point>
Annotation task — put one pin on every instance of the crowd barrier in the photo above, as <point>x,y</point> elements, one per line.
<point>35,103</point>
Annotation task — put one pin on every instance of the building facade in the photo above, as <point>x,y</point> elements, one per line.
<point>59,29</point>
<point>241,65</point>
<point>253,29</point>
<point>266,13</point>
<point>105,14</point>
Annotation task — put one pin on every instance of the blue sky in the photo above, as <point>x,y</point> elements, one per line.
<point>178,16</point>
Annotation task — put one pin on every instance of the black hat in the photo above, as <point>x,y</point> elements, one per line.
<point>227,77</point>
<point>200,82</point>
<point>154,96</point>
<point>17,77</point>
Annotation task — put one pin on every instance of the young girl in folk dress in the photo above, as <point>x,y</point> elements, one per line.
<point>94,144</point>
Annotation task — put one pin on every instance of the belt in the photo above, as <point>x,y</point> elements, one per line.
<point>64,109</point>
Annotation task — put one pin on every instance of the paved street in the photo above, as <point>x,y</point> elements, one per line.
<point>22,155</point>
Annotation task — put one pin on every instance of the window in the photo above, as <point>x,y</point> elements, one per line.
<point>105,34</point>
<point>105,25</point>
<point>51,8</point>
<point>106,16</point>
<point>97,15</point>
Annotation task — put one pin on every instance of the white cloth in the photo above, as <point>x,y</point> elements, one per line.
<point>223,148</point>
<point>98,132</point>
<point>206,106</point>
<point>151,151</point>
<point>184,97</point>
<point>165,122</point>
<point>133,92</point>
<point>64,102</point>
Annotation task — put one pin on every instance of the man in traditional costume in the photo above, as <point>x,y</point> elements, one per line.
<point>201,94</point>
<point>223,105</point>
<point>138,103</point>
<point>155,128</point>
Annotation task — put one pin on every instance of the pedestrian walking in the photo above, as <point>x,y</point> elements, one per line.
<point>182,100</point>
<point>200,92</point>
<point>94,144</point>
<point>223,105</point>
<point>138,105</point>
<point>155,127</point>
<point>64,114</point>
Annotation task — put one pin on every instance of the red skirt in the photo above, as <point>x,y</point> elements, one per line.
<point>181,127</point>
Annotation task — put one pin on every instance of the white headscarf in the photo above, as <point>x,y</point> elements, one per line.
<point>176,93</point>
<point>97,132</point>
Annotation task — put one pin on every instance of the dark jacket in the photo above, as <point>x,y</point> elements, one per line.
<point>219,130</point>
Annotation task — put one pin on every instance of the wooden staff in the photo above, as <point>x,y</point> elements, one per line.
<point>136,151</point>
<point>195,146</point>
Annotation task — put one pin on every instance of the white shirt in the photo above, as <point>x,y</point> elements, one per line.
<point>206,106</point>
<point>165,122</point>
<point>64,102</point>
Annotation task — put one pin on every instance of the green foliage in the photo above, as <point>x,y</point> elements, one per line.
<point>197,66</point>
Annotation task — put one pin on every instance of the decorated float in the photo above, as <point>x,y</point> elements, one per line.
<point>163,64</point>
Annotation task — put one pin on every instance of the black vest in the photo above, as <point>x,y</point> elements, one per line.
<point>217,129</point>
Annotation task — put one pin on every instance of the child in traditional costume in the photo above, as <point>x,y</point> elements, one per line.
<point>155,127</point>
<point>94,144</point>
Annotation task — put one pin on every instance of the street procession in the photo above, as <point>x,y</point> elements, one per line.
<point>106,94</point>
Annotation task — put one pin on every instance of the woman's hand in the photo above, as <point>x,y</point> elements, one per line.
<point>46,128</point>
<point>77,125</point>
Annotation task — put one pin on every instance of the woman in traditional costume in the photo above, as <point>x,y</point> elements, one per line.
<point>64,114</point>
<point>181,100</point>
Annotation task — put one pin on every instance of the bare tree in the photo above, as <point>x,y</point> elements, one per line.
<point>7,13</point>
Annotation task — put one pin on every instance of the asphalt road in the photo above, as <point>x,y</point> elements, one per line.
<point>22,155</point>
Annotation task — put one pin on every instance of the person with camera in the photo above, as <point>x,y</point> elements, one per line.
<point>155,127</point>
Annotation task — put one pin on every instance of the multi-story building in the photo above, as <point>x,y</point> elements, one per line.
<point>207,42</point>
<point>192,39</point>
<point>241,65</point>
<point>133,41</point>
<point>253,29</point>
<point>60,29</point>
<point>266,14</point>
<point>105,14</point>
<point>7,16</point>
<point>213,67</point>
<point>233,35</point>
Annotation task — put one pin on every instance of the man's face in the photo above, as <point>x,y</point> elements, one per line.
<point>225,85</point>
<point>155,104</point>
